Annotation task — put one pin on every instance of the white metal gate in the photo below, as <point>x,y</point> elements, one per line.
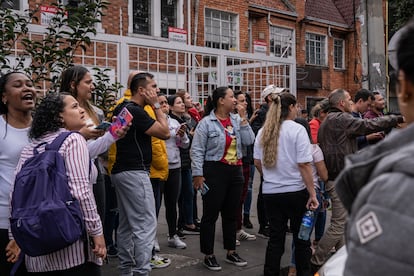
<point>198,70</point>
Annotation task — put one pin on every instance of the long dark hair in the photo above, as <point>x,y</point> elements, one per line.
<point>211,104</point>
<point>75,74</point>
<point>47,116</point>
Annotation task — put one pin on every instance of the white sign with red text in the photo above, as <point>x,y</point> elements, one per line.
<point>177,35</point>
<point>259,47</point>
<point>47,13</point>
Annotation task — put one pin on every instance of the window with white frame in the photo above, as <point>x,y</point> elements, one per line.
<point>168,16</point>
<point>281,40</point>
<point>141,16</point>
<point>153,17</point>
<point>220,30</point>
<point>15,4</point>
<point>315,49</point>
<point>339,53</point>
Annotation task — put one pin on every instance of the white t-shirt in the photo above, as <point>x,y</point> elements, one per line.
<point>12,142</point>
<point>294,147</point>
<point>317,156</point>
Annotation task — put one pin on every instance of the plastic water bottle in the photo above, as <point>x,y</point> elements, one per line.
<point>306,225</point>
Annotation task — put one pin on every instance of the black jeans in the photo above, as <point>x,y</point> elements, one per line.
<point>280,208</point>
<point>172,190</point>
<point>225,183</point>
<point>261,210</point>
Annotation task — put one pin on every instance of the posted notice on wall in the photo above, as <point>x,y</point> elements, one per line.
<point>259,47</point>
<point>47,13</point>
<point>177,35</point>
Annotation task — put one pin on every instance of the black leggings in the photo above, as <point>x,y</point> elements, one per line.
<point>172,188</point>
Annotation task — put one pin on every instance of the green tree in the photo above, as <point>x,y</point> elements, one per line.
<point>69,30</point>
<point>400,11</point>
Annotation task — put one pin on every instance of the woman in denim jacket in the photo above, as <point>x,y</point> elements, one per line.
<point>216,154</point>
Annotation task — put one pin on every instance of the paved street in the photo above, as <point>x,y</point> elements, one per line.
<point>189,261</point>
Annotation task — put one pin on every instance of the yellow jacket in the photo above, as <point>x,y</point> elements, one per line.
<point>159,164</point>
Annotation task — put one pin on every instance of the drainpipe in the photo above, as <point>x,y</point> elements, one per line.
<point>196,7</point>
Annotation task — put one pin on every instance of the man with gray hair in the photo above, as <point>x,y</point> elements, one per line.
<point>337,138</point>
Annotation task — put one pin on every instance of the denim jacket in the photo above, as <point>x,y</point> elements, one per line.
<point>209,141</point>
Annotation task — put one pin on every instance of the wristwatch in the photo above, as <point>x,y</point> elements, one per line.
<point>157,106</point>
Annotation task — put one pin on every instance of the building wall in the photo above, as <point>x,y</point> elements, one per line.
<point>258,12</point>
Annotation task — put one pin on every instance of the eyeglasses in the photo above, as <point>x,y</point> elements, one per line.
<point>163,102</point>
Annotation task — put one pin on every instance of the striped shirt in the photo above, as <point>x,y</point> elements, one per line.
<point>77,162</point>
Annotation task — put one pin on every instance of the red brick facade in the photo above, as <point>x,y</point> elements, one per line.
<point>330,18</point>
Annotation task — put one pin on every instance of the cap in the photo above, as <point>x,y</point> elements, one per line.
<point>272,89</point>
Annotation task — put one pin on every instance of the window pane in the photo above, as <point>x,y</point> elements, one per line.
<point>141,16</point>
<point>281,41</point>
<point>223,33</point>
<point>168,16</point>
<point>315,49</point>
<point>11,4</point>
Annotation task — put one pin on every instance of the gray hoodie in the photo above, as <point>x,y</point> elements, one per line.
<point>377,189</point>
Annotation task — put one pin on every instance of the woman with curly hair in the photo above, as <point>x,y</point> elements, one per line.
<point>18,98</point>
<point>54,115</point>
<point>282,155</point>
<point>78,81</point>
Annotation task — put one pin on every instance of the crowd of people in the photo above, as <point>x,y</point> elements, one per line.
<point>347,155</point>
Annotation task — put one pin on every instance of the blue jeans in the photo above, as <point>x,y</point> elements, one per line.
<point>137,221</point>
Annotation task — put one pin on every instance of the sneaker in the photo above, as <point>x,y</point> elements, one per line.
<point>176,242</point>
<point>112,252</point>
<point>237,243</point>
<point>235,259</point>
<point>211,263</point>
<point>159,262</point>
<point>180,233</point>
<point>157,246</point>
<point>191,231</point>
<point>264,232</point>
<point>242,235</point>
<point>197,222</point>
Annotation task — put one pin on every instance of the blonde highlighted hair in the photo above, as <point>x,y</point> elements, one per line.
<point>277,113</point>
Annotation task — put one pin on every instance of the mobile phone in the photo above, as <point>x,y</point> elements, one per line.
<point>204,189</point>
<point>103,126</point>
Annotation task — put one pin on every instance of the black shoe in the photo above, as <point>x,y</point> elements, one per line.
<point>197,222</point>
<point>264,232</point>
<point>211,263</point>
<point>191,231</point>
<point>246,222</point>
<point>235,259</point>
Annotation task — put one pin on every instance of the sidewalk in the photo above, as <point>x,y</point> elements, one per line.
<point>189,261</point>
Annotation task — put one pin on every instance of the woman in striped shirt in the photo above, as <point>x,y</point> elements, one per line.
<point>55,114</point>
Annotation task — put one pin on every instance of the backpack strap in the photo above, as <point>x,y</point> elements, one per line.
<point>55,145</point>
